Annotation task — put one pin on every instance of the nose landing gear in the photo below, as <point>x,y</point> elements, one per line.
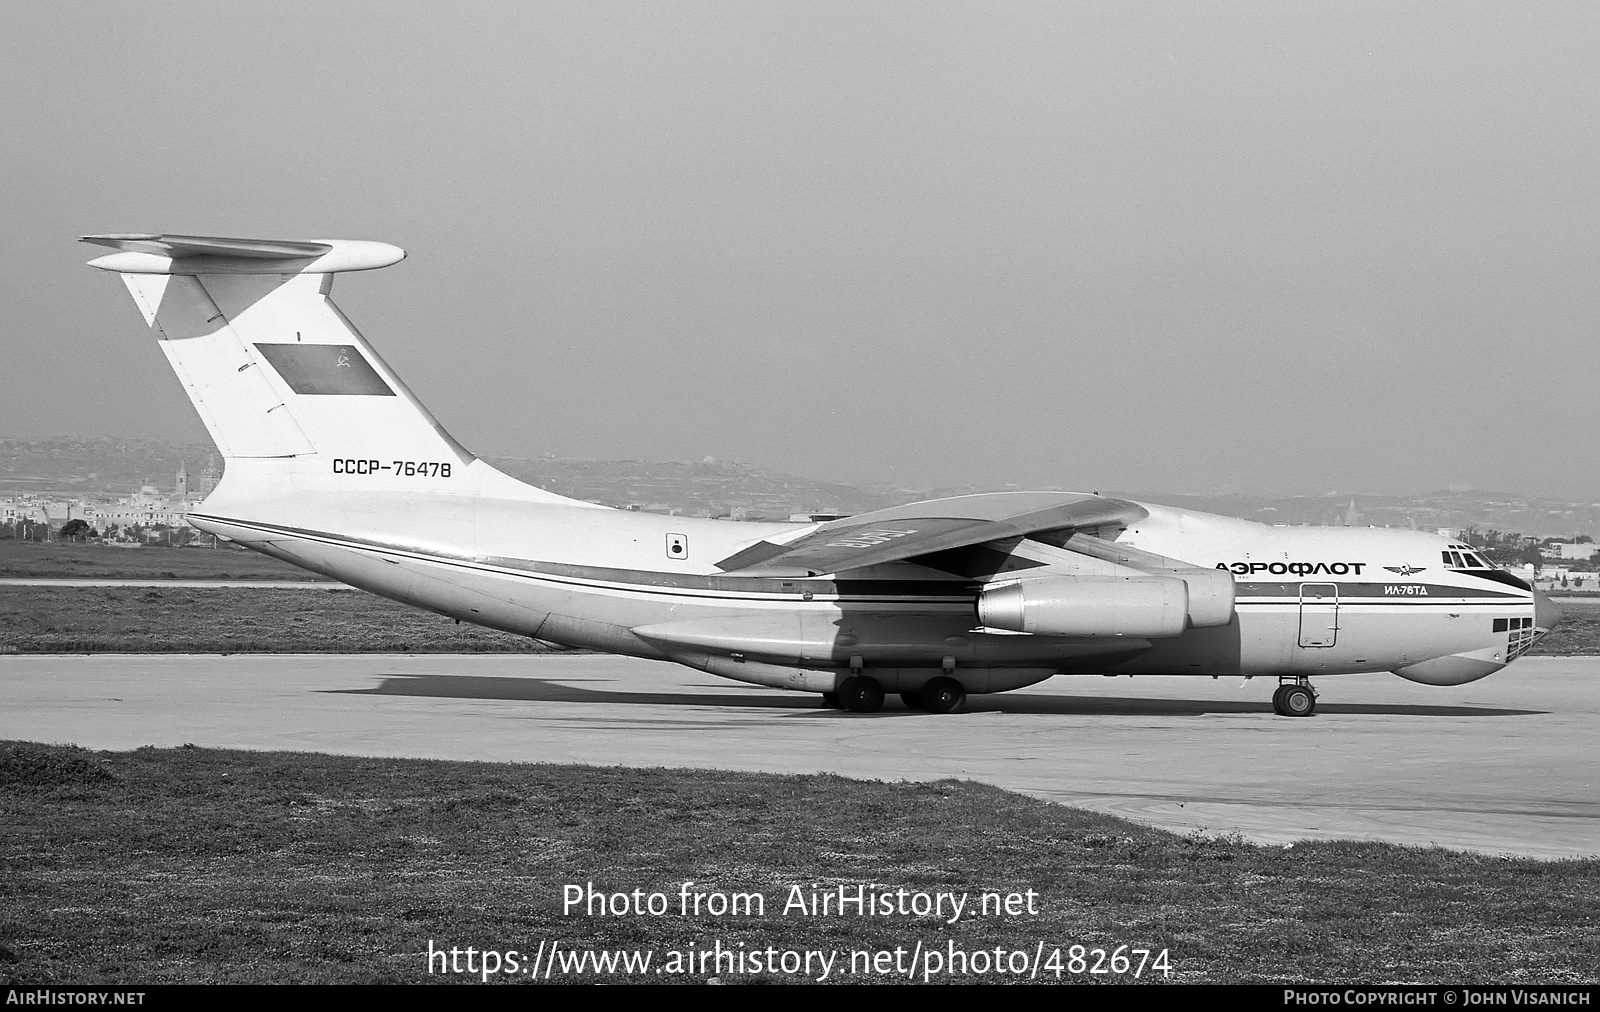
<point>1295,699</point>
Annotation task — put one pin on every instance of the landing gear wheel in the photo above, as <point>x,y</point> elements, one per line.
<point>861,694</point>
<point>830,701</point>
<point>1294,701</point>
<point>943,695</point>
<point>913,700</point>
<point>1299,701</point>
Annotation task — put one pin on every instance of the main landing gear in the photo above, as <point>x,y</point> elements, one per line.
<point>863,694</point>
<point>860,694</point>
<point>1295,699</point>
<point>942,695</point>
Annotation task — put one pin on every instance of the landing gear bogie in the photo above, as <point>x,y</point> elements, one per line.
<point>864,694</point>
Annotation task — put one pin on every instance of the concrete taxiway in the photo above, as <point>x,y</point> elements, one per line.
<point>1503,765</point>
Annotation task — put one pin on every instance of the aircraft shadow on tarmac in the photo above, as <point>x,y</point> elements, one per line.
<point>564,691</point>
<point>542,691</point>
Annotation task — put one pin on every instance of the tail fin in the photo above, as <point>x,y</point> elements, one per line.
<point>284,382</point>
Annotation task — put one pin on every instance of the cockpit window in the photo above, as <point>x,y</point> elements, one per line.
<point>1460,558</point>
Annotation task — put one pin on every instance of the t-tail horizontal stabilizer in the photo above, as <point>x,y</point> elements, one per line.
<point>149,253</point>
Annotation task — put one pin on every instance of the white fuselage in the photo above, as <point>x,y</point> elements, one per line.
<point>1309,600</point>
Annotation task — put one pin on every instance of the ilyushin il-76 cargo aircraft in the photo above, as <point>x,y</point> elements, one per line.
<point>334,465</point>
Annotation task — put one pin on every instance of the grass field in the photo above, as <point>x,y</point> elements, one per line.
<point>1579,634</point>
<point>227,620</point>
<point>102,562</point>
<point>191,865</point>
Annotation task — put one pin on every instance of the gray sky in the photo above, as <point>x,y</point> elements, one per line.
<point>1264,247</point>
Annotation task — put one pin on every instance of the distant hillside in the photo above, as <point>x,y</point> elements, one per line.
<point>67,466</point>
<point>113,467</point>
<point>1543,518</point>
<point>710,488</point>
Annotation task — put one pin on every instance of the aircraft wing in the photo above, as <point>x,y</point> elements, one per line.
<point>904,532</point>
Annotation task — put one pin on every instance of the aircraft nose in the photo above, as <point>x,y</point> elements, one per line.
<point>1546,613</point>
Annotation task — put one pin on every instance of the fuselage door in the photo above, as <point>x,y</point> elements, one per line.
<point>1319,614</point>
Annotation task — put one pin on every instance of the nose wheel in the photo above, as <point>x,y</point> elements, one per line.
<point>1295,699</point>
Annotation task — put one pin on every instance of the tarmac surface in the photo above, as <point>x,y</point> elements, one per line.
<point>1503,765</point>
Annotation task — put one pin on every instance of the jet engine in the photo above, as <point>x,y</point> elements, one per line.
<point>1148,607</point>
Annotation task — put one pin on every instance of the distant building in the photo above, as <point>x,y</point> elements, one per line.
<point>1560,578</point>
<point>210,476</point>
<point>1575,552</point>
<point>182,489</point>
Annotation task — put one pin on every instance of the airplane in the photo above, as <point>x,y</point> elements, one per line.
<point>332,464</point>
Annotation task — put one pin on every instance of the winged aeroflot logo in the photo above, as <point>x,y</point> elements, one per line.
<point>1405,570</point>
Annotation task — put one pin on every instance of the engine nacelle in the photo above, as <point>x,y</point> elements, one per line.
<point>1211,597</point>
<point>1148,607</point>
